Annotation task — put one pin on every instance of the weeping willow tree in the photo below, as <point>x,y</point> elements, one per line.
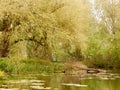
<point>37,29</point>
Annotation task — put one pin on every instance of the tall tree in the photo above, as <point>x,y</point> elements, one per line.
<point>108,14</point>
<point>33,29</point>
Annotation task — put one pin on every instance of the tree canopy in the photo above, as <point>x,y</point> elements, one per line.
<point>42,28</point>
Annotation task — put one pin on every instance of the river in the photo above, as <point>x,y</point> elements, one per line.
<point>62,82</point>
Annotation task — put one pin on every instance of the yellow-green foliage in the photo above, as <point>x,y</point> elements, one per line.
<point>37,28</point>
<point>104,41</point>
<point>41,62</point>
<point>2,73</point>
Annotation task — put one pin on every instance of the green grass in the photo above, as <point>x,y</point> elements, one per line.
<point>29,66</point>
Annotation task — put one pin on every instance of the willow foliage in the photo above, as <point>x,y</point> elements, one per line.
<point>38,28</point>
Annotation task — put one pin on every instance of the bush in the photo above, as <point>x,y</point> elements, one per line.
<point>32,61</point>
<point>103,53</point>
<point>28,66</point>
<point>3,64</point>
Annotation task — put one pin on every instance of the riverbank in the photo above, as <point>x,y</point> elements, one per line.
<point>28,66</point>
<point>8,67</point>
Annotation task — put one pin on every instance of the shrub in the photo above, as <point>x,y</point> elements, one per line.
<point>102,53</point>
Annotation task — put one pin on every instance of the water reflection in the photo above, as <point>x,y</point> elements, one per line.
<point>101,82</point>
<point>63,82</point>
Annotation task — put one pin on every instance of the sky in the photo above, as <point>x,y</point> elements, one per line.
<point>92,1</point>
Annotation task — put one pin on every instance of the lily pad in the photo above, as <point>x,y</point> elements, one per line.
<point>47,88</point>
<point>37,84</point>
<point>37,81</point>
<point>76,85</point>
<point>40,88</point>
<point>104,78</point>
<point>37,87</point>
<point>4,86</point>
<point>18,82</point>
<point>9,89</point>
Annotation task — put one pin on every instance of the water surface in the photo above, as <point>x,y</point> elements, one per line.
<point>62,82</point>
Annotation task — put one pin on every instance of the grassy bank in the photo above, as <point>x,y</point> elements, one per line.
<point>28,66</point>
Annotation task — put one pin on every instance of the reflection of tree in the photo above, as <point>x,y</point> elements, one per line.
<point>70,79</point>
